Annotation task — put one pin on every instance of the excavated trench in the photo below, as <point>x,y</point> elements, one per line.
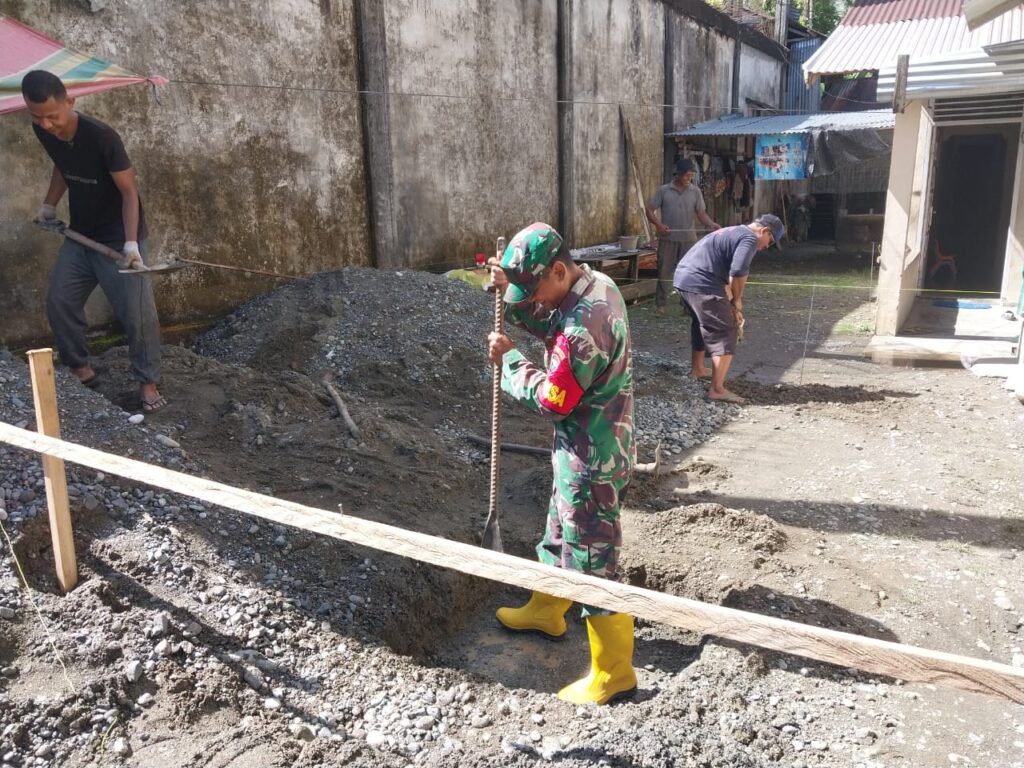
<point>248,406</point>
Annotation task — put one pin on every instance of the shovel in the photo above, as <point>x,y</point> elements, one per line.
<point>492,528</point>
<point>60,228</point>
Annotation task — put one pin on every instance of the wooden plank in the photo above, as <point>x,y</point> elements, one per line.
<point>630,152</point>
<point>899,91</point>
<point>879,657</point>
<point>44,392</point>
<point>638,290</point>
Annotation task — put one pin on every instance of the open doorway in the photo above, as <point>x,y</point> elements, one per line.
<point>972,200</point>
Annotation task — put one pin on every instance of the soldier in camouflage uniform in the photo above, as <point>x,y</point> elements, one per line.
<point>586,390</point>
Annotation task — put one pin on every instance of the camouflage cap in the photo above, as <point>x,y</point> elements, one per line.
<point>530,251</point>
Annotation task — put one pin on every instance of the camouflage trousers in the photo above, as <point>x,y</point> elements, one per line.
<point>583,531</point>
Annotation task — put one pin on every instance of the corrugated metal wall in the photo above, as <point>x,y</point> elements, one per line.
<point>800,98</point>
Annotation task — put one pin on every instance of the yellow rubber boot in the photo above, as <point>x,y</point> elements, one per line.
<point>611,662</point>
<point>542,613</point>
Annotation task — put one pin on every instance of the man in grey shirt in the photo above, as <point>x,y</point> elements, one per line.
<point>680,202</point>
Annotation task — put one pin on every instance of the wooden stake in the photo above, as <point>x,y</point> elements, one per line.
<point>631,154</point>
<point>44,392</point>
<point>879,657</point>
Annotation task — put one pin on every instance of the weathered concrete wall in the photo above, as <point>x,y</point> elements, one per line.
<point>473,134</point>
<point>701,73</point>
<point>760,78</point>
<point>475,118</point>
<point>265,177</point>
<point>617,57</point>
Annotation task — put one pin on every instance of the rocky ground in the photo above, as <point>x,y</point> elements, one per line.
<point>880,501</point>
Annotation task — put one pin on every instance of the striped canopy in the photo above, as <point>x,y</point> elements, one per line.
<point>23,49</point>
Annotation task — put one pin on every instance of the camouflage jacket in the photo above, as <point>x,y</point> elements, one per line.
<point>586,385</point>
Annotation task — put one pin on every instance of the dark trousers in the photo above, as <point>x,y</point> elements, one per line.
<point>712,323</point>
<point>77,273</point>
<point>669,254</point>
<point>696,337</point>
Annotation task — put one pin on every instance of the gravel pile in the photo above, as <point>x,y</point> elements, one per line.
<point>202,636</point>
<point>356,320</point>
<point>430,333</point>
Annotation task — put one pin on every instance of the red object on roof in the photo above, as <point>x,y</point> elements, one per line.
<point>884,11</point>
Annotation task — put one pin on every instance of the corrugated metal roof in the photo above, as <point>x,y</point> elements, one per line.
<point>799,97</point>
<point>739,125</point>
<point>990,70</point>
<point>862,47</point>
<point>885,11</point>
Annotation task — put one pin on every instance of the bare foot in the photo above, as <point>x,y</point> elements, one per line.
<point>725,396</point>
<point>87,376</point>
<point>84,374</point>
<point>702,374</point>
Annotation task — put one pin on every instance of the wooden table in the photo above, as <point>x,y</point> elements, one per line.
<point>634,288</point>
<point>601,253</point>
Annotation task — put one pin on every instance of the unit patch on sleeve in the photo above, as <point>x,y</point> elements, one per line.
<point>561,392</point>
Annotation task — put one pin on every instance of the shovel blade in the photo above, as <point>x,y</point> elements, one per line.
<point>492,535</point>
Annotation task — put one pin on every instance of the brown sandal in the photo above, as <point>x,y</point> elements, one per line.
<point>154,406</point>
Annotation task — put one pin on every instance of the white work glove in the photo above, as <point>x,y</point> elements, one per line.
<point>47,212</point>
<point>131,258</point>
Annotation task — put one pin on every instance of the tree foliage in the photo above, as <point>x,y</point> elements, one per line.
<point>825,15</point>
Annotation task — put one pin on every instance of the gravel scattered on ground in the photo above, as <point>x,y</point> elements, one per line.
<point>201,636</point>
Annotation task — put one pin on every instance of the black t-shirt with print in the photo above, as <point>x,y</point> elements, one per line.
<point>86,162</point>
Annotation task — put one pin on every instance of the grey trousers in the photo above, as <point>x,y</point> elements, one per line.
<point>669,254</point>
<point>77,273</point>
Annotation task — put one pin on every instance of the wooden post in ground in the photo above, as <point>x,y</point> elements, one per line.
<point>44,392</point>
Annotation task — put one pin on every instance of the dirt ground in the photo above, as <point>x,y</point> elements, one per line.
<point>877,500</point>
<point>900,493</point>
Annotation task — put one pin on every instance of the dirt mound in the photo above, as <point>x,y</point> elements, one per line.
<point>700,551</point>
<point>279,431</point>
<point>406,335</point>
<point>799,394</point>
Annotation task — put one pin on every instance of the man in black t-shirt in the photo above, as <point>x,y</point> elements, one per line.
<point>90,163</point>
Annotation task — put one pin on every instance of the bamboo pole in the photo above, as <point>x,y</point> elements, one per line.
<point>879,657</point>
<point>44,392</point>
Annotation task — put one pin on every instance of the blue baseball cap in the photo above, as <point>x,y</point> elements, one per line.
<point>774,224</point>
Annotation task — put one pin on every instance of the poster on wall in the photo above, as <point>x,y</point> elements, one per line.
<point>781,156</point>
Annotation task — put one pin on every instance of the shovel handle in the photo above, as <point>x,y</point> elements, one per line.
<point>88,242</point>
<point>492,529</point>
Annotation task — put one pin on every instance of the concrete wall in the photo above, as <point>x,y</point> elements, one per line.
<point>760,78</point>
<point>473,131</point>
<point>902,256</point>
<point>617,57</point>
<point>270,178</point>
<point>474,118</point>
<point>1013,267</point>
<point>701,72</point>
